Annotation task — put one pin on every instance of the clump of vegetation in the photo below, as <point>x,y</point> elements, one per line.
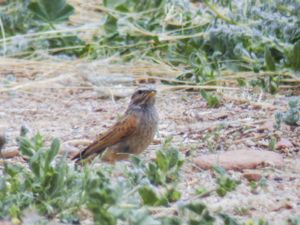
<point>51,185</point>
<point>291,117</point>
<point>208,41</point>
<point>35,18</point>
<point>224,181</point>
<point>212,100</point>
<point>48,184</point>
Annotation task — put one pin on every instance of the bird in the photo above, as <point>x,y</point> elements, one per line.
<point>132,134</point>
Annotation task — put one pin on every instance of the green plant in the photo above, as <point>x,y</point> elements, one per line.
<point>200,214</point>
<point>243,210</point>
<point>208,41</point>
<point>51,186</point>
<point>39,16</point>
<point>100,197</point>
<point>272,143</point>
<point>268,84</point>
<point>165,168</point>
<point>294,56</point>
<point>291,117</point>
<point>224,182</point>
<point>211,100</point>
<point>56,11</point>
<point>15,17</point>
<point>46,183</point>
<point>261,183</point>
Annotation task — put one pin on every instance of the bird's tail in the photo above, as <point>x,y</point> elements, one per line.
<point>87,154</point>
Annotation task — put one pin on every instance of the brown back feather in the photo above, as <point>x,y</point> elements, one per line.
<point>124,128</point>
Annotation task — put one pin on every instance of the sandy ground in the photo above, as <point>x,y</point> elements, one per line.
<point>244,121</point>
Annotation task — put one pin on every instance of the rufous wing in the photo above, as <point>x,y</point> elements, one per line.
<point>122,129</point>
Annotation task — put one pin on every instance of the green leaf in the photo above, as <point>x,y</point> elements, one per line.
<point>54,11</point>
<point>219,170</point>
<point>173,157</point>
<point>162,161</point>
<point>38,141</point>
<point>148,195</point>
<point>200,190</point>
<point>228,220</point>
<point>171,221</point>
<point>110,25</point>
<point>211,100</point>
<point>113,3</point>
<point>204,94</point>
<point>269,60</point>
<point>173,195</point>
<point>295,56</point>
<point>12,170</point>
<point>35,164</point>
<point>196,207</point>
<point>225,184</point>
<point>25,146</point>
<point>136,161</point>
<point>53,150</point>
<point>142,217</point>
<point>241,82</point>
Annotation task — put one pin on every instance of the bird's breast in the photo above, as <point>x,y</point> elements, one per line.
<point>145,132</point>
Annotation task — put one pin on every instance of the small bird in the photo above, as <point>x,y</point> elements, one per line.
<point>132,134</point>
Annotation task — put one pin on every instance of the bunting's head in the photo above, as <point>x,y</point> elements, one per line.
<point>143,97</point>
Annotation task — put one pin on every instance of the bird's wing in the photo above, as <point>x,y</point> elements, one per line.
<point>123,128</point>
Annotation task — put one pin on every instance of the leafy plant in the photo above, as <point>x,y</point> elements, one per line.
<point>224,182</point>
<point>208,41</point>
<point>291,117</point>
<point>165,168</point>
<point>269,60</point>
<point>39,16</point>
<point>212,100</point>
<point>200,212</point>
<point>272,143</point>
<point>51,12</point>
<point>52,186</point>
<point>15,17</point>
<point>46,183</point>
<point>268,84</point>
<point>100,197</point>
<point>295,56</point>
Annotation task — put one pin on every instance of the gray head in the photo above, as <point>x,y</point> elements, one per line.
<point>143,97</point>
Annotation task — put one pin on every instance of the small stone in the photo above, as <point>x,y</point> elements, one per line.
<point>240,159</point>
<point>252,175</point>
<point>250,143</point>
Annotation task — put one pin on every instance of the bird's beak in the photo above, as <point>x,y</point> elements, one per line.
<point>152,93</point>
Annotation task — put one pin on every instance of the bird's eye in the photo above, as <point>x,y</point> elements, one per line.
<point>140,92</point>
